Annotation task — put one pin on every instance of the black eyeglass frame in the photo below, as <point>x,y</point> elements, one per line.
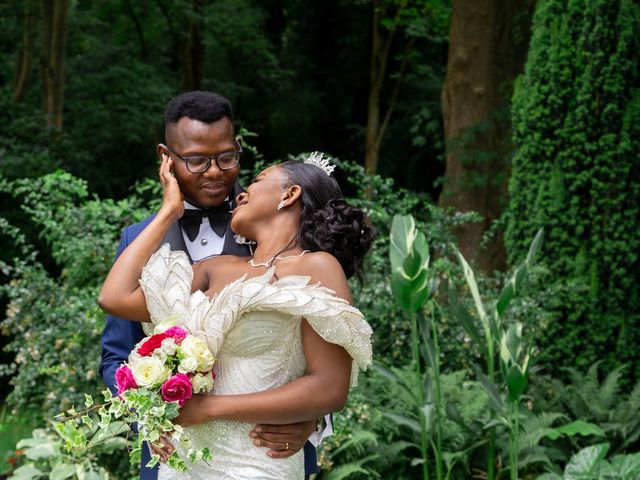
<point>209,158</point>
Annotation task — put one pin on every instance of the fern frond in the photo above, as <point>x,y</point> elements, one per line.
<point>353,468</point>
<point>608,391</point>
<point>536,427</point>
<point>359,442</point>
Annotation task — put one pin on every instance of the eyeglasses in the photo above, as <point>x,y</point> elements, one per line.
<point>201,163</point>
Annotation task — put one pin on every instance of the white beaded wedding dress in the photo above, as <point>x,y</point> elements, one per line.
<point>253,328</point>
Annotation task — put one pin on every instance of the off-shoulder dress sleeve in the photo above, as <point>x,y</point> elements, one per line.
<point>334,319</point>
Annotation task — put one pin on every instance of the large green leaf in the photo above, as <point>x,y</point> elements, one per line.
<point>514,284</point>
<point>623,467</point>
<point>26,472</point>
<point>577,427</point>
<point>535,246</point>
<point>473,287</point>
<point>62,471</point>
<point>516,382</point>
<point>586,462</point>
<point>410,293</point>
<point>403,231</point>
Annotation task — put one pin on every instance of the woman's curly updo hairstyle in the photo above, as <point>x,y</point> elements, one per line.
<point>327,222</point>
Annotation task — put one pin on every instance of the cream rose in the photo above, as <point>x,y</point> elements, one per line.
<point>148,371</point>
<point>202,382</point>
<point>193,347</point>
<point>188,365</point>
<point>168,346</point>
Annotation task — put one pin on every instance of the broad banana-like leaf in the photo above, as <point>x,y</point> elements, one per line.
<point>410,293</point>
<point>403,232</point>
<point>535,246</point>
<point>473,287</point>
<point>514,284</point>
<point>577,427</point>
<point>516,382</point>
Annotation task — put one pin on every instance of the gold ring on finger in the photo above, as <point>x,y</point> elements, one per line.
<point>286,445</point>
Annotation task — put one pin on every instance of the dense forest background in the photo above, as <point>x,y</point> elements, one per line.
<point>486,120</point>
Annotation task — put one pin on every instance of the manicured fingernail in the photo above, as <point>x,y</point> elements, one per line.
<point>270,454</point>
<point>256,443</point>
<point>253,434</point>
<point>258,429</point>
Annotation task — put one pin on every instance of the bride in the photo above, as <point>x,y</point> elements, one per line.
<point>288,344</point>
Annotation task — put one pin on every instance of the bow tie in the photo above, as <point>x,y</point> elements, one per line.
<point>218,219</point>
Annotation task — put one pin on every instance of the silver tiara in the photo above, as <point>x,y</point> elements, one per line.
<point>319,160</point>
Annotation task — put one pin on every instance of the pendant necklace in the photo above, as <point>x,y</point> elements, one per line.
<point>269,262</point>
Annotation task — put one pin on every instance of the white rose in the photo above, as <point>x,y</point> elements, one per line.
<point>168,346</point>
<point>193,347</point>
<point>148,371</point>
<point>202,382</point>
<point>188,365</point>
<point>160,354</point>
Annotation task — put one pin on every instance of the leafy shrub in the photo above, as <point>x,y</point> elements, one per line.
<point>576,120</point>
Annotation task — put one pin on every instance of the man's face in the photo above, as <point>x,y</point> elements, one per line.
<point>191,137</point>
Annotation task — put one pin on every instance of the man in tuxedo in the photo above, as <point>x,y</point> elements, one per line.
<point>200,139</point>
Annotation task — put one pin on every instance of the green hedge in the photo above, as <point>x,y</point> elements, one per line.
<point>576,171</point>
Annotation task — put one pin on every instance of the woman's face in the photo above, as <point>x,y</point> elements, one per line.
<point>259,204</point>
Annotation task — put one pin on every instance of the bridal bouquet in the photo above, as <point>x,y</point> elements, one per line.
<point>164,370</point>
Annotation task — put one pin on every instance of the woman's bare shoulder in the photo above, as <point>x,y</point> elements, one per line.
<point>324,268</point>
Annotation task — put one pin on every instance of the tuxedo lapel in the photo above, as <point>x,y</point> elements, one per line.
<point>175,239</point>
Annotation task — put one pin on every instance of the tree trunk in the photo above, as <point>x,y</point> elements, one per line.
<point>192,51</point>
<point>54,16</point>
<point>139,29</point>
<point>488,47</point>
<point>25,55</point>
<point>380,47</point>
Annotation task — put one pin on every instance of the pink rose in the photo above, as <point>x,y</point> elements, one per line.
<point>124,379</point>
<point>177,333</point>
<point>177,389</point>
<point>154,341</point>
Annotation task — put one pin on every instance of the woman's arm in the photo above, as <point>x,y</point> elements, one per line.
<point>322,390</point>
<point>121,294</point>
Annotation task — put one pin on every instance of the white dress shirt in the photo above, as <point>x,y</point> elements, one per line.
<point>207,243</point>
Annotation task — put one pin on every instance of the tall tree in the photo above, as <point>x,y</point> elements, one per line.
<point>54,35</point>
<point>576,171</point>
<point>487,50</point>
<point>24,58</point>
<point>392,19</point>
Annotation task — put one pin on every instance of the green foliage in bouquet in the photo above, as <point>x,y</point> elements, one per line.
<point>143,407</point>
<point>576,121</point>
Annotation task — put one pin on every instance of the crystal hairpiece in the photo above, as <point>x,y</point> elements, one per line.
<point>319,160</point>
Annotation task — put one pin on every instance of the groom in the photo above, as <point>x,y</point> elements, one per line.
<point>199,126</point>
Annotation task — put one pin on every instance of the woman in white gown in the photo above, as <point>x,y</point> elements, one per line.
<point>287,342</point>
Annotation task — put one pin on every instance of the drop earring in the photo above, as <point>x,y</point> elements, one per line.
<point>281,205</point>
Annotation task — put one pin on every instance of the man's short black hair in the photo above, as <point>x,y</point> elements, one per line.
<point>206,107</point>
